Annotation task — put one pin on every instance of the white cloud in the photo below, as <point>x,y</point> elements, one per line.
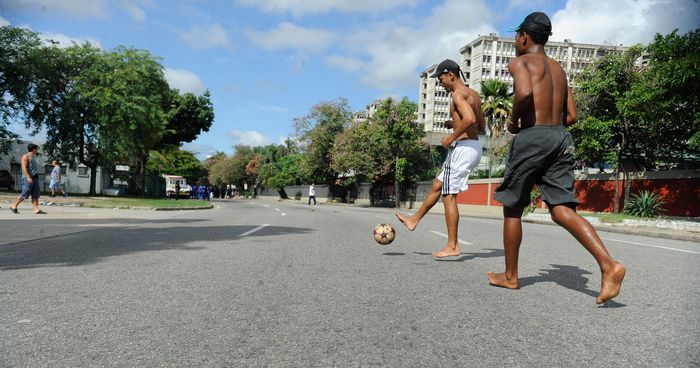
<point>290,36</point>
<point>4,22</point>
<point>79,8</point>
<point>134,11</point>
<point>624,22</point>
<point>201,37</point>
<point>67,41</point>
<point>299,8</point>
<point>184,80</point>
<point>201,151</point>
<point>390,55</point>
<point>249,138</point>
<point>344,63</point>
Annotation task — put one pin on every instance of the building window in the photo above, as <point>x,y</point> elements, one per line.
<point>82,171</point>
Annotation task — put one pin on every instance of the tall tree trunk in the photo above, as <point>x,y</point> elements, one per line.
<point>93,179</point>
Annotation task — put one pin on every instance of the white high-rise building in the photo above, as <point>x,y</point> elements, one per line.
<point>487,57</point>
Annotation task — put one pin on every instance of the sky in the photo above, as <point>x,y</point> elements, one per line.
<point>266,62</point>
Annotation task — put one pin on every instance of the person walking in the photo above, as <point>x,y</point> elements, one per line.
<point>30,180</point>
<point>542,153</point>
<point>55,183</point>
<point>312,194</point>
<point>463,155</point>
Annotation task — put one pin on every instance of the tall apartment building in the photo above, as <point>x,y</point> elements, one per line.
<point>487,57</point>
<point>368,112</point>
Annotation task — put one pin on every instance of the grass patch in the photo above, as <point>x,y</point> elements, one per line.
<point>140,202</point>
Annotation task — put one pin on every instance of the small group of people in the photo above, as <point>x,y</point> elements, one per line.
<point>30,180</point>
<point>541,153</point>
<point>201,192</point>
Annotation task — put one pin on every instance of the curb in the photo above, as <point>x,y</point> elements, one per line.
<point>183,208</point>
<point>650,232</point>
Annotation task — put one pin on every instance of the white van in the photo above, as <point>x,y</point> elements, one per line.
<point>170,181</point>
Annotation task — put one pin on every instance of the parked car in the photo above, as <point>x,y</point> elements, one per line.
<point>6,180</point>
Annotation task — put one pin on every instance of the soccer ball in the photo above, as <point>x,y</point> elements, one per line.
<point>384,234</point>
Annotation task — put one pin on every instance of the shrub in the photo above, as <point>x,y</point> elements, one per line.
<point>645,204</point>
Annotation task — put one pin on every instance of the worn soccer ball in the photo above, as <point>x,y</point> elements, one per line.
<point>384,234</point>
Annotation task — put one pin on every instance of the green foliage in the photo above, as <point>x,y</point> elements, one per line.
<point>284,172</point>
<point>645,204</point>
<point>535,193</point>
<point>317,132</point>
<point>20,63</point>
<point>649,114</point>
<point>188,115</point>
<point>497,105</point>
<point>387,148</point>
<point>594,139</point>
<point>176,162</point>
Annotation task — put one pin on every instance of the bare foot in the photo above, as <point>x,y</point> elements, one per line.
<point>501,280</point>
<point>447,252</point>
<point>409,222</point>
<point>611,283</point>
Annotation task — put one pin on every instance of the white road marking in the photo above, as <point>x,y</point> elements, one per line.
<point>651,245</point>
<point>284,214</point>
<point>380,217</point>
<point>24,321</point>
<point>277,209</point>
<point>266,205</point>
<point>460,241</point>
<point>254,230</point>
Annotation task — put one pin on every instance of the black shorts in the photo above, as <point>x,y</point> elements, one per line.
<point>542,155</point>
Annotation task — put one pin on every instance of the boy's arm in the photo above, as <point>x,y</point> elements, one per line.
<point>522,92</point>
<point>570,109</point>
<point>464,110</point>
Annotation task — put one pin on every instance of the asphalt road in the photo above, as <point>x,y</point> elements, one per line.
<point>254,283</point>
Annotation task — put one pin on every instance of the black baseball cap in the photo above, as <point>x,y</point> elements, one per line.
<point>445,66</point>
<point>536,22</point>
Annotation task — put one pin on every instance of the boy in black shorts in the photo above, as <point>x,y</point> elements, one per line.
<point>542,154</point>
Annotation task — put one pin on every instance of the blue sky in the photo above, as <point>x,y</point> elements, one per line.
<point>269,61</point>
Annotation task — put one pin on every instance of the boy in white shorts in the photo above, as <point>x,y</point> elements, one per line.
<point>463,154</point>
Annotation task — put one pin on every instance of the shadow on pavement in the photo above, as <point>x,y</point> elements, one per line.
<point>92,246</point>
<point>570,277</point>
<point>466,256</point>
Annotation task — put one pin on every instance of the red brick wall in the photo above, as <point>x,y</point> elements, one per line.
<point>681,193</point>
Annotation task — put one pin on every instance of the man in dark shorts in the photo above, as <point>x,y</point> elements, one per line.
<point>30,180</point>
<point>542,154</point>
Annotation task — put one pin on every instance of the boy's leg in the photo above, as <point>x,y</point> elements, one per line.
<point>433,196</point>
<point>512,237</point>
<point>612,272</point>
<point>452,222</point>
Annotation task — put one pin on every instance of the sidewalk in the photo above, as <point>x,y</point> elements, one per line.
<point>688,230</point>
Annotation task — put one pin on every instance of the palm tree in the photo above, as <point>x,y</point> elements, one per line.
<point>497,105</point>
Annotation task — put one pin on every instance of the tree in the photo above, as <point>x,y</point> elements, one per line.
<point>389,148</point>
<point>318,131</point>
<point>612,134</point>
<point>285,171</point>
<point>176,162</point>
<point>20,61</point>
<point>496,105</point>
<point>188,116</point>
<point>664,103</point>
<point>59,105</point>
<point>127,89</point>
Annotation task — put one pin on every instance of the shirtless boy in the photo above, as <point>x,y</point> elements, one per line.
<point>463,154</point>
<point>542,154</point>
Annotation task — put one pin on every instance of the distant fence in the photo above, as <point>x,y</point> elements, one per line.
<point>679,189</point>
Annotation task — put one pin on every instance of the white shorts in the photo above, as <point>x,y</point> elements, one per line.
<point>462,158</point>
